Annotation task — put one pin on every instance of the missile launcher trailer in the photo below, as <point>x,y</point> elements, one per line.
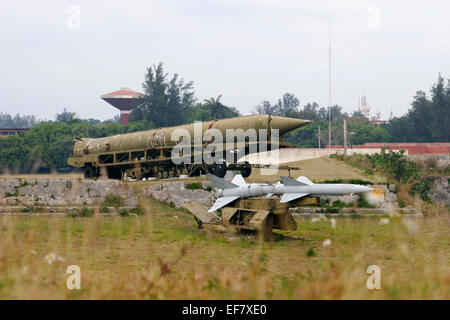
<point>252,215</point>
<point>148,153</point>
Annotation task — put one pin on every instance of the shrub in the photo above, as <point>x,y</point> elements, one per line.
<point>85,212</point>
<point>112,200</point>
<point>138,211</point>
<point>194,186</point>
<point>310,252</point>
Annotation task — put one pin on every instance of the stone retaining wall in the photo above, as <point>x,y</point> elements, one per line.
<point>61,192</point>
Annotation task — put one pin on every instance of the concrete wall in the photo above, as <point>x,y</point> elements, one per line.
<point>297,154</point>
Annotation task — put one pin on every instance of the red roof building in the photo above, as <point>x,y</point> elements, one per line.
<point>125,100</point>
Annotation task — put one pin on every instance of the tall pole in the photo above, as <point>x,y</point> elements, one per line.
<point>345,137</point>
<point>329,81</point>
<point>318,134</point>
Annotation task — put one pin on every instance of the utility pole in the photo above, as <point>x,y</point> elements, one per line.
<point>318,134</point>
<point>329,81</point>
<point>345,137</point>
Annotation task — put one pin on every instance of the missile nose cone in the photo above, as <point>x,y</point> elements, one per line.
<point>361,189</point>
<point>287,124</point>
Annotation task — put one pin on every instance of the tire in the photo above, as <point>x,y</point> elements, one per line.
<point>90,172</point>
<point>219,169</point>
<point>246,171</point>
<point>114,173</point>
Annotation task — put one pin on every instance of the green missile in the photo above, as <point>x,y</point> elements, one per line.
<point>162,137</point>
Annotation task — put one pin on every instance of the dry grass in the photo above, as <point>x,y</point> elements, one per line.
<point>54,176</point>
<point>319,169</point>
<point>162,255</point>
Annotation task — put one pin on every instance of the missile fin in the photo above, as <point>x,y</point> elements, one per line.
<point>291,182</point>
<point>291,196</point>
<point>220,183</point>
<point>305,180</point>
<point>221,202</point>
<point>239,180</point>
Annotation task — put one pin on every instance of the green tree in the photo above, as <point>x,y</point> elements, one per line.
<point>165,101</point>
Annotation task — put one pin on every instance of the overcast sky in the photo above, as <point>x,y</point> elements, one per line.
<point>245,50</point>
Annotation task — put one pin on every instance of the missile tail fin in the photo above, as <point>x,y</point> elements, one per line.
<point>239,180</point>
<point>221,202</point>
<point>291,196</point>
<point>220,183</point>
<point>291,182</point>
<point>305,180</point>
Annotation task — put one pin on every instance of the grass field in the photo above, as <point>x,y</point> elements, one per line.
<point>162,255</point>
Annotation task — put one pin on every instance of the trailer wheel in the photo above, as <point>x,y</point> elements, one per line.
<point>89,172</point>
<point>219,169</point>
<point>246,171</point>
<point>114,173</point>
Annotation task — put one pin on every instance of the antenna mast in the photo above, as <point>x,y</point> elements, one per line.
<point>329,81</point>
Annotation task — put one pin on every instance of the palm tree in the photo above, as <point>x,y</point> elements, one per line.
<point>213,100</point>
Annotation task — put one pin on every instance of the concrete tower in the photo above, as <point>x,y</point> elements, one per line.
<point>125,100</point>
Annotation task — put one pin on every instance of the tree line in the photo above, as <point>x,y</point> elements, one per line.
<point>169,100</point>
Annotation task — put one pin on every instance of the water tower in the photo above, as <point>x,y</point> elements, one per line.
<point>125,100</point>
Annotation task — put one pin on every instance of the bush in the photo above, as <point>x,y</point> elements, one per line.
<point>331,210</point>
<point>112,200</point>
<point>194,186</point>
<point>352,181</point>
<point>85,212</point>
<point>138,211</point>
<point>362,203</point>
<point>123,213</point>
<point>422,187</point>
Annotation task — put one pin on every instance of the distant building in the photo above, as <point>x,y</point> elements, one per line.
<point>125,100</point>
<point>5,132</point>
<point>364,107</point>
<point>377,120</point>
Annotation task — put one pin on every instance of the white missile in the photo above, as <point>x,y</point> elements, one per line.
<point>289,189</point>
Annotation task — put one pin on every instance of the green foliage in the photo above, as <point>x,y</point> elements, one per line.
<point>210,110</point>
<point>422,187</point>
<point>339,204</point>
<point>49,144</point>
<point>137,210</point>
<point>194,186</point>
<point>352,181</point>
<point>394,164</point>
<point>17,121</point>
<point>429,118</point>
<point>310,252</point>
<point>366,132</point>
<point>112,200</point>
<point>123,213</point>
<point>85,212</point>
<point>362,203</point>
<point>166,100</point>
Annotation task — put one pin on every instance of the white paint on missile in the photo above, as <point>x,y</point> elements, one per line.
<point>289,189</point>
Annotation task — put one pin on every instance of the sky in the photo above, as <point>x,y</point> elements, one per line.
<point>65,54</point>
